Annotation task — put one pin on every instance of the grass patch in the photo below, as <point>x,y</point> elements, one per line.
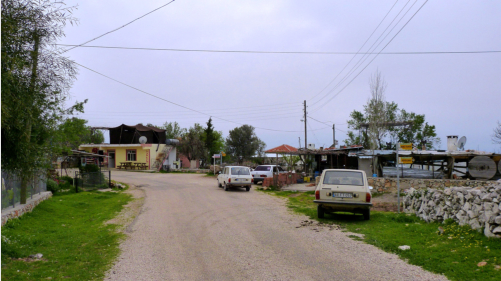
<point>455,253</point>
<point>69,231</point>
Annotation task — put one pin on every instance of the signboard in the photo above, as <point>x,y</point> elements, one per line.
<point>216,156</point>
<point>406,146</point>
<point>406,160</point>
<point>224,154</point>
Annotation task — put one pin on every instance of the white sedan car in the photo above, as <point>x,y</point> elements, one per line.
<point>234,176</point>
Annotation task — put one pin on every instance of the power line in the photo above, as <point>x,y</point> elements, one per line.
<point>327,124</point>
<point>104,34</point>
<point>288,52</point>
<point>365,55</point>
<point>176,104</point>
<point>357,51</point>
<point>373,58</point>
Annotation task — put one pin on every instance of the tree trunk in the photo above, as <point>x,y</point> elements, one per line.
<point>25,174</point>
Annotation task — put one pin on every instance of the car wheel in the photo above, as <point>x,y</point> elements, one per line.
<point>247,188</point>
<point>225,187</point>
<point>367,215</point>
<point>219,184</point>
<point>320,212</point>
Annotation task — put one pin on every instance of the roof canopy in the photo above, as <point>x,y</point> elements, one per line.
<point>125,134</point>
<point>284,148</point>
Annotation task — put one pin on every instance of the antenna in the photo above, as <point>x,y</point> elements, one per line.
<point>143,139</point>
<point>461,143</point>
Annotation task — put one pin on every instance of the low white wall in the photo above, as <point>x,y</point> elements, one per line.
<point>21,209</point>
<point>477,207</point>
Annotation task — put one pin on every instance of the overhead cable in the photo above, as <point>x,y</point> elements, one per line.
<point>373,58</point>
<point>104,34</point>
<point>286,52</point>
<point>176,104</point>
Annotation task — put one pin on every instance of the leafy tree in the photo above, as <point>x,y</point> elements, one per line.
<point>74,132</point>
<point>378,113</point>
<point>35,82</point>
<point>173,130</point>
<point>191,144</point>
<point>243,143</point>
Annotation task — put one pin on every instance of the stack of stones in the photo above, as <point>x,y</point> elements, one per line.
<point>478,207</point>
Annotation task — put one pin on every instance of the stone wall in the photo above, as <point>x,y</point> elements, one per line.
<point>478,207</point>
<point>20,209</point>
<point>390,184</point>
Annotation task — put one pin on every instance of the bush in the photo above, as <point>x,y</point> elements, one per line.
<point>68,179</point>
<point>89,168</point>
<point>52,186</point>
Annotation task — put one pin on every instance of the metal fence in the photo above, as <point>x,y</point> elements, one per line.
<point>93,180</point>
<point>11,187</point>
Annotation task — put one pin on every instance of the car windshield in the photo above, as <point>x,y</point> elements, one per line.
<point>240,171</point>
<point>343,178</point>
<point>263,168</point>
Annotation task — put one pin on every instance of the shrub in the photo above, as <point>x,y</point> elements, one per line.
<point>68,179</point>
<point>89,168</point>
<point>52,186</point>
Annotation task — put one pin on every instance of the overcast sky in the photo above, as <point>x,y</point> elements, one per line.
<point>458,93</point>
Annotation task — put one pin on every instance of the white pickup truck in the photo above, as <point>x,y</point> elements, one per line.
<point>265,171</point>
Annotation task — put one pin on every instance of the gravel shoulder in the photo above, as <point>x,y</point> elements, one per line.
<point>189,229</point>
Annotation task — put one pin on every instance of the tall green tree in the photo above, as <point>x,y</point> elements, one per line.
<point>243,143</point>
<point>173,130</point>
<point>371,128</point>
<point>192,145</point>
<point>73,132</point>
<point>35,82</point>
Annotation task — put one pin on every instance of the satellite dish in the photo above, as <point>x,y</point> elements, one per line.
<point>143,139</point>
<point>461,143</point>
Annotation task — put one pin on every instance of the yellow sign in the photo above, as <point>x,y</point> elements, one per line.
<point>405,160</point>
<point>224,154</point>
<point>406,146</point>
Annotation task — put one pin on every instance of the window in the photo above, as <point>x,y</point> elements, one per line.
<point>263,168</point>
<point>131,155</point>
<point>240,171</point>
<point>344,178</point>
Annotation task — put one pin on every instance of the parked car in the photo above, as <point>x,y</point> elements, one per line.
<point>343,191</point>
<point>265,171</point>
<point>234,176</point>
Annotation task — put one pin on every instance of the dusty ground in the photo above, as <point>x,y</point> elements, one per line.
<point>189,229</point>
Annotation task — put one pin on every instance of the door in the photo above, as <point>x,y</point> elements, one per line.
<point>111,159</point>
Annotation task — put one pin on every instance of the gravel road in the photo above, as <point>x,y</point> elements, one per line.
<point>189,229</point>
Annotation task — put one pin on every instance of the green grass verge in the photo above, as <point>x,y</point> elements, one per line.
<point>69,231</point>
<point>456,252</point>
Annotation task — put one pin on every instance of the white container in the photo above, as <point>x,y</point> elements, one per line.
<point>452,143</point>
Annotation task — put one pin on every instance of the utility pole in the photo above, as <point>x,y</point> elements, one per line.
<point>305,131</point>
<point>334,134</point>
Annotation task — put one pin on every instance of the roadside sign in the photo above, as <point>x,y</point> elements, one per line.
<point>406,160</point>
<point>406,146</point>
<point>224,154</point>
<point>216,156</point>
